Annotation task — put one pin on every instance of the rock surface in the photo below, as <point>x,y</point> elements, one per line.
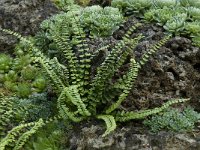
<point>23,16</point>
<point>130,137</point>
<point>173,72</point>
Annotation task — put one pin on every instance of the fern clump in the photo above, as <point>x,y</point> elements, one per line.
<point>83,90</point>
<point>80,96</point>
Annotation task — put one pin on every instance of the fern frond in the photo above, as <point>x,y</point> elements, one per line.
<point>44,62</point>
<point>111,64</point>
<point>64,45</point>
<point>11,136</point>
<point>104,73</point>
<point>128,79</point>
<point>39,57</point>
<point>152,50</point>
<point>110,123</point>
<point>125,116</point>
<point>73,95</point>
<point>25,136</point>
<point>84,58</point>
<point>7,113</point>
<point>64,111</point>
<point>60,70</point>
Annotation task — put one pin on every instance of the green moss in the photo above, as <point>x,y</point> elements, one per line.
<point>174,120</point>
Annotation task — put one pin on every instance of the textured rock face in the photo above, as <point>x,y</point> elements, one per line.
<point>173,72</point>
<point>130,138</point>
<point>23,16</point>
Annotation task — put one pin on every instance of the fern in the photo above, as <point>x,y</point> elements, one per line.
<point>10,137</point>
<point>125,116</point>
<point>20,131</point>
<point>128,82</point>
<point>8,113</point>
<point>24,137</point>
<point>110,123</point>
<point>152,50</point>
<point>79,94</point>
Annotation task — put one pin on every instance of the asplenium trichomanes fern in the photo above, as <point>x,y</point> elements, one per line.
<point>82,95</point>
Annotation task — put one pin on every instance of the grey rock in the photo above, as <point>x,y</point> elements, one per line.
<point>131,138</point>
<point>23,16</point>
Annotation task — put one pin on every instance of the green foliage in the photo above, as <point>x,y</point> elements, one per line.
<point>141,6</point>
<point>132,6</point>
<point>165,3</point>
<point>101,21</point>
<point>49,137</point>
<point>15,111</point>
<point>6,114</point>
<point>81,90</point>
<point>174,120</point>
<point>177,20</point>
<point>176,24</point>
<point>19,131</point>
<point>110,123</point>
<point>175,16</point>
<point>19,77</point>
<point>45,142</point>
<point>36,106</point>
<point>5,63</point>
<point>192,28</point>
<point>196,40</point>
<point>80,97</point>
<point>23,89</point>
<point>29,72</point>
<point>194,13</point>
<point>187,3</point>
<point>95,19</point>
<point>66,5</point>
